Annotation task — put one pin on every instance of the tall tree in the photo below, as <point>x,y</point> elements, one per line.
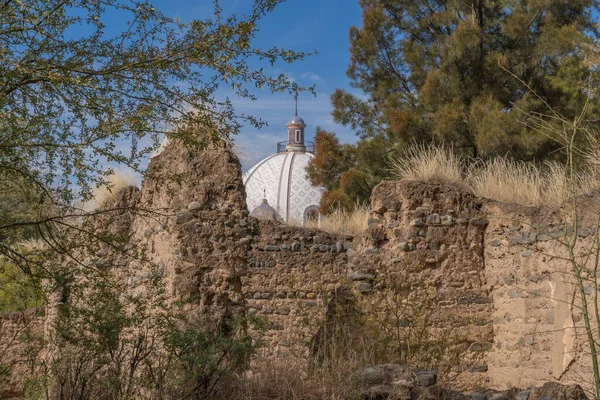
<point>441,70</point>
<point>348,172</point>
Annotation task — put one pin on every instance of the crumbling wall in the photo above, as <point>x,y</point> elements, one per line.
<point>495,274</point>
<point>292,272</point>
<point>196,229</point>
<point>431,238</point>
<point>537,307</point>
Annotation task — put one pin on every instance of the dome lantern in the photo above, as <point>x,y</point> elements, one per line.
<point>296,132</point>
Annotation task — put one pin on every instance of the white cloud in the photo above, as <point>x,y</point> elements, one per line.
<point>309,76</point>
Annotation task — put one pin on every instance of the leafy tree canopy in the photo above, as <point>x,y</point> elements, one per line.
<point>85,83</point>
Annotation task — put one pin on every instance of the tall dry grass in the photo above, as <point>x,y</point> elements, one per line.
<point>273,379</point>
<point>506,181</point>
<point>342,221</point>
<point>429,163</point>
<point>500,178</point>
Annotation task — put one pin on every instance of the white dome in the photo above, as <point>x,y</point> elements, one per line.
<point>281,179</point>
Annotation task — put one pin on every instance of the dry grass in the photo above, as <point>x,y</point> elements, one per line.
<point>274,379</point>
<point>430,163</point>
<point>118,180</point>
<point>342,221</point>
<point>506,181</point>
<point>511,181</point>
<point>501,178</point>
<point>592,160</point>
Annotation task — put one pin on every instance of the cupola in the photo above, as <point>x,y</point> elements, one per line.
<point>277,187</point>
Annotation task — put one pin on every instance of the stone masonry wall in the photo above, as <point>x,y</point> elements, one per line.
<point>431,238</point>
<point>291,273</point>
<point>495,274</point>
<point>537,317</point>
<point>198,232</point>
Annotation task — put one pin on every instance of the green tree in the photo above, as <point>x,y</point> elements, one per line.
<point>434,70</point>
<point>86,85</point>
<point>348,172</point>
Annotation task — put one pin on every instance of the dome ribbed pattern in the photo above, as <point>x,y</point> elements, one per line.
<point>281,180</point>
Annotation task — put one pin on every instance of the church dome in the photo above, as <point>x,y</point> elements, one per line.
<point>296,120</point>
<point>281,180</point>
<point>265,211</point>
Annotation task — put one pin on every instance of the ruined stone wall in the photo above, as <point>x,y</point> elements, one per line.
<point>538,333</point>
<point>424,241</point>
<point>198,232</point>
<point>495,274</point>
<point>430,238</point>
<point>291,275</point>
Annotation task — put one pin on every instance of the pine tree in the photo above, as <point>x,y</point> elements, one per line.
<point>443,70</point>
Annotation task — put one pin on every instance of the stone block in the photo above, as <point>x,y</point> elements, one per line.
<point>426,378</point>
<point>184,218</point>
<point>324,248</point>
<point>434,219</point>
<point>522,395</point>
<point>194,205</point>
<point>446,220</point>
<point>477,368</point>
<point>359,276</point>
<point>417,222</point>
<point>364,287</point>
<point>522,238</point>
<point>480,347</point>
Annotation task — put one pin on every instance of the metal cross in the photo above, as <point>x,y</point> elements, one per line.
<point>296,97</point>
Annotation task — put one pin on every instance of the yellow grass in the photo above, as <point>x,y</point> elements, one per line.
<point>342,221</point>
<point>500,178</point>
<point>274,379</point>
<point>118,180</point>
<point>506,181</point>
<point>429,163</point>
<point>592,160</point>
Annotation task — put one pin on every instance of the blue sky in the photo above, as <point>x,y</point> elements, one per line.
<point>302,25</point>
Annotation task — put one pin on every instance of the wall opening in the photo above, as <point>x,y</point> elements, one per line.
<point>311,215</point>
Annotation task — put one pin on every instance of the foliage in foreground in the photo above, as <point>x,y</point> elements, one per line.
<point>108,346</point>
